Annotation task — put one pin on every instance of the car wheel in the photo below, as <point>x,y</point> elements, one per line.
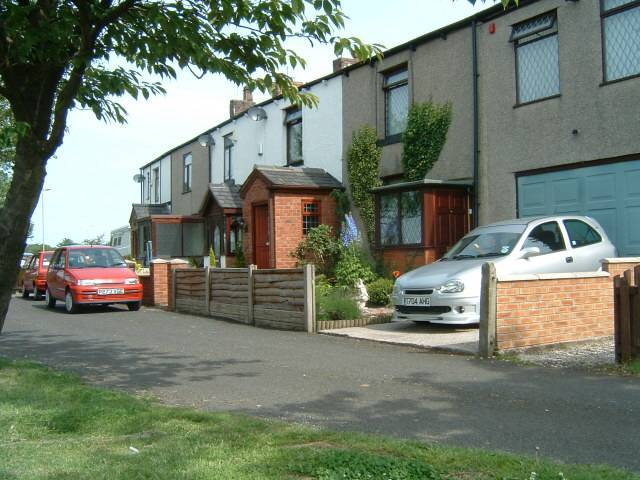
<point>37,294</point>
<point>25,292</point>
<point>70,304</point>
<point>134,306</point>
<point>49,299</point>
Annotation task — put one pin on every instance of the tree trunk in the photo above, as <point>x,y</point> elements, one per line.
<point>26,184</point>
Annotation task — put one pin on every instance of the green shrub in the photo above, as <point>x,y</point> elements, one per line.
<point>336,303</point>
<point>320,247</point>
<point>380,291</point>
<point>241,262</point>
<point>424,137</point>
<point>352,266</point>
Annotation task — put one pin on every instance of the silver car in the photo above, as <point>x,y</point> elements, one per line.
<point>448,291</point>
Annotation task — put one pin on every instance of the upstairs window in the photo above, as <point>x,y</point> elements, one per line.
<point>187,166</point>
<point>310,215</point>
<point>294,136</point>
<point>537,58</point>
<point>228,157</point>
<point>156,185</point>
<point>400,219</point>
<point>396,101</point>
<point>621,37</point>
<point>148,185</point>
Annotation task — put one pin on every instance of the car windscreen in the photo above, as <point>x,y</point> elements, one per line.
<point>486,242</point>
<point>95,258</point>
<point>46,258</point>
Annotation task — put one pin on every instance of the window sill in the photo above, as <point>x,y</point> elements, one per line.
<point>518,105</point>
<point>390,140</point>
<point>412,246</point>
<point>618,80</point>
<point>299,163</point>
<point>186,191</point>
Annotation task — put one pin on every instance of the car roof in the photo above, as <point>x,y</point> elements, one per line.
<point>528,220</point>
<point>75,247</point>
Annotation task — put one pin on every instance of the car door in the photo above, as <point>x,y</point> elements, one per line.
<point>55,277</point>
<point>587,245</point>
<point>30,272</point>
<point>554,256</point>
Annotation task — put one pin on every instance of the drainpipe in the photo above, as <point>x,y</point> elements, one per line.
<point>476,151</point>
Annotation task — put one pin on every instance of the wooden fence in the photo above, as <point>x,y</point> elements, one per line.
<point>627,315</point>
<point>275,298</point>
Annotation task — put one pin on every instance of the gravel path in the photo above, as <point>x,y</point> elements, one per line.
<point>595,353</point>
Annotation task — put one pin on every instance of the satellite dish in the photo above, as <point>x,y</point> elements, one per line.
<point>138,178</point>
<point>257,113</point>
<point>206,139</point>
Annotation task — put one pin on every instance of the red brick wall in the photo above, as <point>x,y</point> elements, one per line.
<point>553,310</point>
<point>618,266</point>
<point>405,259</point>
<point>288,223</point>
<point>258,193</point>
<point>147,289</point>
<point>161,279</point>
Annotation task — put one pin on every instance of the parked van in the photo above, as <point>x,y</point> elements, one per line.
<point>121,240</point>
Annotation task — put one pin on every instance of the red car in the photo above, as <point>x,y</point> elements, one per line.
<point>35,275</point>
<point>86,275</point>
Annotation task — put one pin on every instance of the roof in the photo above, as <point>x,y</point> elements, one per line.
<point>146,210</point>
<point>422,183</point>
<point>226,195</point>
<point>293,177</point>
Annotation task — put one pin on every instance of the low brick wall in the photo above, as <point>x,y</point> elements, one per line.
<point>147,289</point>
<point>545,309</point>
<point>617,266</point>
<point>358,322</point>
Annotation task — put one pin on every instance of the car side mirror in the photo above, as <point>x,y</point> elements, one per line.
<point>529,252</point>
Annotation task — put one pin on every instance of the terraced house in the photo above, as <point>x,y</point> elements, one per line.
<point>545,101</point>
<point>256,182</point>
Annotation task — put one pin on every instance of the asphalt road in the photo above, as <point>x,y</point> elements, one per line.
<point>339,383</point>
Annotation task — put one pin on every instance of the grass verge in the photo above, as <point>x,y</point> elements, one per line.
<point>52,426</point>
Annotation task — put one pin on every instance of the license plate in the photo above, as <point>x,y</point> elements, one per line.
<point>417,301</point>
<point>110,291</point>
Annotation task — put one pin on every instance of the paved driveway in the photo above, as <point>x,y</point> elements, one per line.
<point>339,383</point>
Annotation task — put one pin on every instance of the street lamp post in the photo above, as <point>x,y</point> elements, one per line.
<point>42,211</point>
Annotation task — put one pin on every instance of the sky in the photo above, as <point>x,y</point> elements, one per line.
<point>89,186</point>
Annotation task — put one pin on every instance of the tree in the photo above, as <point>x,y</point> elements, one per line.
<point>99,240</point>
<point>56,55</point>
<point>65,241</point>
<point>7,148</point>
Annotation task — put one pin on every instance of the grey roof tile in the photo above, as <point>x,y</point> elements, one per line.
<point>226,196</point>
<point>298,177</point>
<point>146,210</point>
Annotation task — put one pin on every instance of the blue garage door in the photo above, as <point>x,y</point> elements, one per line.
<point>609,193</point>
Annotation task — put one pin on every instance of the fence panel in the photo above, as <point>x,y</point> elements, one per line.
<point>229,295</point>
<point>627,315</point>
<point>190,290</point>
<point>279,298</point>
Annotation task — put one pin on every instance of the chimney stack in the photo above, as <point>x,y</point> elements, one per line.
<point>343,62</point>
<point>236,107</point>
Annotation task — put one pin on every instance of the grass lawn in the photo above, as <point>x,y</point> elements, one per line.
<point>52,426</point>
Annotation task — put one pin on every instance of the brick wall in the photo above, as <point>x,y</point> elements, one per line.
<point>288,223</point>
<point>147,289</point>
<point>617,266</point>
<point>545,309</point>
<point>161,279</point>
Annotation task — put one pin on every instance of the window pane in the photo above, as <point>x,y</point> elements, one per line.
<point>547,237</point>
<point>622,44</point>
<point>533,26</point>
<point>294,142</point>
<point>411,218</point>
<point>609,4</point>
<point>397,109</point>
<point>538,69</point>
<point>399,76</point>
<point>389,227</point>
<point>193,239</point>
<point>228,158</point>
<point>310,216</point>
<point>168,240</point>
<point>580,233</point>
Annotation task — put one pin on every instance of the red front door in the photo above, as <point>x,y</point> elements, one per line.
<point>261,236</point>
<point>451,218</point>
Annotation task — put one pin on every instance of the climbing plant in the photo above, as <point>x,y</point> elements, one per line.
<point>424,137</point>
<point>363,160</point>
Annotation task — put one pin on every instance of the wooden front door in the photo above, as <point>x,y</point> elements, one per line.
<point>451,218</point>
<point>261,236</point>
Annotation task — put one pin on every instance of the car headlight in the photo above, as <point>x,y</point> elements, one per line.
<point>131,281</point>
<point>452,286</point>
<point>396,289</point>
<point>86,283</point>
